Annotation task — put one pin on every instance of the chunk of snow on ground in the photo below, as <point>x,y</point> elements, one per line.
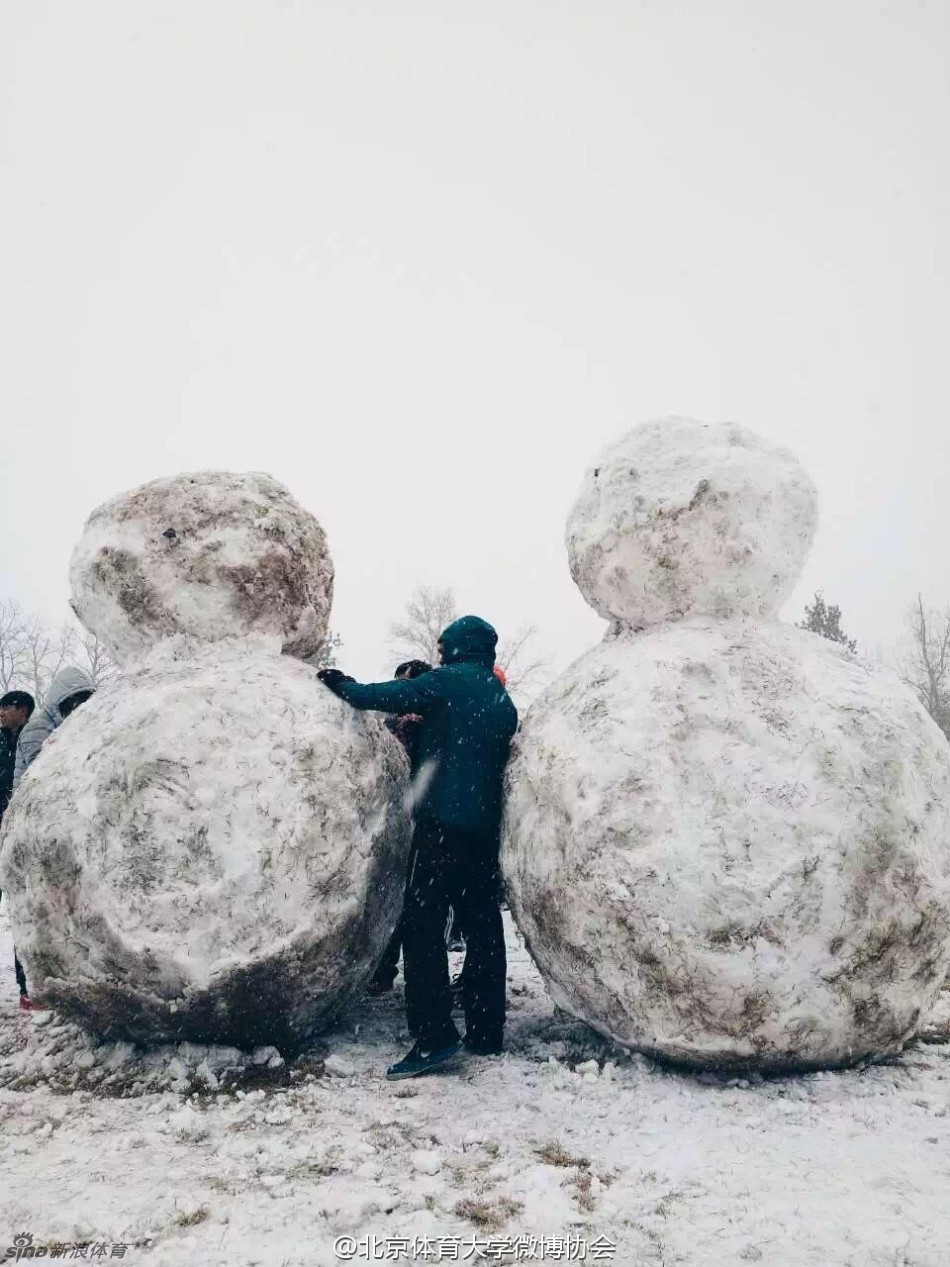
<point>426,1162</point>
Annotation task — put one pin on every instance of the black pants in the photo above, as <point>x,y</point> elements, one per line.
<point>458,869</point>
<point>18,969</point>
<point>387,970</point>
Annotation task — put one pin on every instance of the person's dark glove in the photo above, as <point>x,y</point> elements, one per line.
<point>333,677</point>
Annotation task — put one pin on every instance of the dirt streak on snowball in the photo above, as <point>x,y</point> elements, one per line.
<point>209,849</point>
<point>682,518</point>
<point>210,554</point>
<point>728,844</point>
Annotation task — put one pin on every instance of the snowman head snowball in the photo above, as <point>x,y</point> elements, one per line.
<point>207,555</point>
<point>680,518</point>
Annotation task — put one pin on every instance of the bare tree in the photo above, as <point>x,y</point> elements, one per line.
<point>525,671</point>
<point>29,651</point>
<point>12,647</point>
<point>45,651</point>
<point>427,614</point>
<point>95,658</point>
<point>32,652</point>
<point>925,662</point>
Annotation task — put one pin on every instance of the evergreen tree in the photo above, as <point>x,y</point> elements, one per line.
<point>328,655</point>
<point>825,620</point>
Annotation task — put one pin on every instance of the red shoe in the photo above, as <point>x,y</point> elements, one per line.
<point>27,1005</point>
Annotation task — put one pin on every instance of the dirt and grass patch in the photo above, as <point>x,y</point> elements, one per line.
<point>191,1218</point>
<point>553,1153</point>
<point>487,1216</point>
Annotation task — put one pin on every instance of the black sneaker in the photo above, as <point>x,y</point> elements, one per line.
<point>420,1060</point>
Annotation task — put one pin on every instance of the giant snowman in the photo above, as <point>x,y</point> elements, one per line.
<point>727,840</point>
<point>210,848</point>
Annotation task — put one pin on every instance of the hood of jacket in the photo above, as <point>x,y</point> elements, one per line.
<point>469,639</point>
<point>68,681</point>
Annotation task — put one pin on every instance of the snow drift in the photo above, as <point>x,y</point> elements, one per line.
<point>211,555</point>
<point>679,518</point>
<point>728,844</point>
<point>210,849</point>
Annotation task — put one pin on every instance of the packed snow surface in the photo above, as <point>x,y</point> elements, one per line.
<point>209,554</point>
<point>211,848</point>
<point>681,518</point>
<point>205,1155</point>
<point>727,844</point>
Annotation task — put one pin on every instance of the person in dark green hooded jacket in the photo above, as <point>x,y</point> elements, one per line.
<point>468,720</point>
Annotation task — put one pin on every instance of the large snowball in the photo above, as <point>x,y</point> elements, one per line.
<point>730,845</point>
<point>212,849</point>
<point>212,555</point>
<point>679,518</point>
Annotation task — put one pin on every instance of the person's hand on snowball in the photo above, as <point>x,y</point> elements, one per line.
<point>333,677</point>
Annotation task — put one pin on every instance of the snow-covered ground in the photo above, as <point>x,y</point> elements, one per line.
<point>208,1156</point>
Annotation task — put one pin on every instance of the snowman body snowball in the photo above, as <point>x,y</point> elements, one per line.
<point>727,841</point>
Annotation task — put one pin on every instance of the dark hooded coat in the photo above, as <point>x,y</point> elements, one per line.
<point>8,741</point>
<point>463,741</point>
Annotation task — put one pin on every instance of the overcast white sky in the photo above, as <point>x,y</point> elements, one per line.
<point>421,260</point>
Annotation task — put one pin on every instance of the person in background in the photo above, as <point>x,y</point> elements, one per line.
<point>69,688</point>
<point>464,743</point>
<point>16,708</point>
<point>406,730</point>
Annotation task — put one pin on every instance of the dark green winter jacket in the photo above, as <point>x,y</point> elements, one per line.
<point>468,721</point>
